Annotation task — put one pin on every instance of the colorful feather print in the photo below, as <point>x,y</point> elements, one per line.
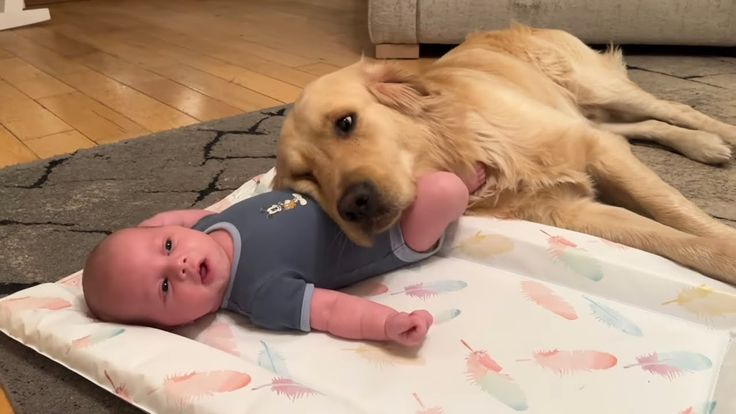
<point>282,384</point>
<point>73,281</point>
<point>446,315</point>
<point>289,388</point>
<point>573,257</point>
<point>187,387</point>
<point>96,337</point>
<point>484,246</point>
<point>120,389</point>
<point>271,360</point>
<point>486,373</point>
<point>387,354</point>
<point>29,303</point>
<point>569,362</point>
<point>708,408</point>
<point>613,318</point>
<point>220,335</point>
<point>548,299</point>
<point>705,302</point>
<point>426,410</point>
<point>426,290</point>
<point>672,364</point>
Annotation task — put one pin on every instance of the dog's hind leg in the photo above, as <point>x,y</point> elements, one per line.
<point>628,101</point>
<point>625,181</point>
<point>697,145</point>
<point>600,83</point>
<point>712,257</point>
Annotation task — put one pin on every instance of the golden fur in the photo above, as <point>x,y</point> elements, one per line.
<point>549,118</point>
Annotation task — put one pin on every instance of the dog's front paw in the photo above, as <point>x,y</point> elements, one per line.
<point>715,153</point>
<point>706,148</point>
<point>728,133</point>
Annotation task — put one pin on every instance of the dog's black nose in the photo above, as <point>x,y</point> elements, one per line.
<point>358,203</point>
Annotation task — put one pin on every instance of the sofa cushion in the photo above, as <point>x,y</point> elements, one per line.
<point>674,22</point>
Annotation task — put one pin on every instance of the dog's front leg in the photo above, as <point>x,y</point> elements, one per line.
<point>697,145</point>
<point>711,256</point>
<point>625,181</point>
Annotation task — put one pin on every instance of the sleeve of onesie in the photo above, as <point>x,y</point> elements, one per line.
<point>282,302</point>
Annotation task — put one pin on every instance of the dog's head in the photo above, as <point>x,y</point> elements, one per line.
<point>352,142</point>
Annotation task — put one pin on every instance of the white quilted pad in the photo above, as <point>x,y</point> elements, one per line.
<point>529,318</point>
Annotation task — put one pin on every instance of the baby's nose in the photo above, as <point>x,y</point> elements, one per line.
<point>185,267</point>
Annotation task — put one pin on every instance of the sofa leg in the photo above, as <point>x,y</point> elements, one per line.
<point>13,14</point>
<point>397,51</point>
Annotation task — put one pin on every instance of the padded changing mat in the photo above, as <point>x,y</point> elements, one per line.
<point>528,318</point>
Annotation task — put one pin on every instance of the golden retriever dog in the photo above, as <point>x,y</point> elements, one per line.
<point>545,114</point>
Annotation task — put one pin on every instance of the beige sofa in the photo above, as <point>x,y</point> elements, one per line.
<point>397,27</point>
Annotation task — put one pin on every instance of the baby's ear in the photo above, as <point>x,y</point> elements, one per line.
<point>396,87</point>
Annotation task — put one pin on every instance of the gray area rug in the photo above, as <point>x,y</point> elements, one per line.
<point>53,211</point>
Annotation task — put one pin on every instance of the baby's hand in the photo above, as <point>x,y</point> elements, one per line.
<point>408,329</point>
<point>476,180</point>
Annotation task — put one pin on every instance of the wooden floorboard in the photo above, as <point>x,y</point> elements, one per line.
<point>29,80</point>
<point>24,117</point>
<point>101,71</point>
<point>5,406</point>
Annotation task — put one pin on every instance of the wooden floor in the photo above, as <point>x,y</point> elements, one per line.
<point>5,407</point>
<point>106,70</point>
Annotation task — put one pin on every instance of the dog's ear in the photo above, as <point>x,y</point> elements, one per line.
<point>396,87</point>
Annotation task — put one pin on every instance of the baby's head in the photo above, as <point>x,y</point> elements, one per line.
<point>159,276</point>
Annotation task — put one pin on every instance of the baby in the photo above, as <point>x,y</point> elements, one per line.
<point>276,258</point>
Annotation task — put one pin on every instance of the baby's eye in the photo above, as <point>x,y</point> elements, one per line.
<point>165,286</point>
<point>168,245</point>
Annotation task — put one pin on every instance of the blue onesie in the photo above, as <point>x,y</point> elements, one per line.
<point>285,245</point>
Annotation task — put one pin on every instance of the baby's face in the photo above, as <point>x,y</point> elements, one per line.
<point>169,275</point>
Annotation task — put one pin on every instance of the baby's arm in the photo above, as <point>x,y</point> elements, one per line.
<point>441,198</point>
<point>352,317</point>
<point>186,218</point>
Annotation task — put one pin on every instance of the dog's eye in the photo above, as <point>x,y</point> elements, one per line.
<point>345,124</point>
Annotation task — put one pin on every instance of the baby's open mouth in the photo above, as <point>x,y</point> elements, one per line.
<point>203,272</point>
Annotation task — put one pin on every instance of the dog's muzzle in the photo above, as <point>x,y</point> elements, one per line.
<point>362,205</point>
<point>359,203</point>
